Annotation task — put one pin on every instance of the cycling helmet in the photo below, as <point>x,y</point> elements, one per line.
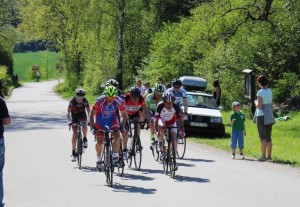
<point>176,82</point>
<point>112,82</point>
<point>159,88</point>
<point>135,92</point>
<point>79,92</point>
<point>168,97</point>
<point>110,91</point>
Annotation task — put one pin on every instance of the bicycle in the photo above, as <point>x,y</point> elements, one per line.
<point>134,145</point>
<point>79,149</point>
<point>168,154</point>
<point>107,156</point>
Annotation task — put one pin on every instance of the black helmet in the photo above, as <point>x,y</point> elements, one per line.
<point>79,92</point>
<point>176,82</point>
<point>168,97</point>
<point>112,82</point>
<point>135,92</point>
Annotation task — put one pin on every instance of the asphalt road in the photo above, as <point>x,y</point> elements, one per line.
<point>39,173</point>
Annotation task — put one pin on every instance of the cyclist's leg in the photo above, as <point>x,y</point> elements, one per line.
<point>84,126</point>
<point>152,130</point>
<point>160,133</point>
<point>125,137</point>
<point>116,143</point>
<point>99,145</point>
<point>174,135</point>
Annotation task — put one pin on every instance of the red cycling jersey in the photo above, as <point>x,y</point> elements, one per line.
<point>133,107</point>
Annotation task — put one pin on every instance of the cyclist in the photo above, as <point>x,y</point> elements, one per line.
<point>168,113</point>
<point>114,83</point>
<point>151,101</point>
<point>78,109</point>
<point>180,98</point>
<point>179,93</point>
<point>135,106</point>
<point>104,113</point>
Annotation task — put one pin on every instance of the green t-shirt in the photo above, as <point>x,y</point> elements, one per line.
<point>239,124</point>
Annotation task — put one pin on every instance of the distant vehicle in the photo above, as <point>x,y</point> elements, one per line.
<point>203,112</point>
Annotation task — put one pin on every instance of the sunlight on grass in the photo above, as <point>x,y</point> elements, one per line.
<point>285,135</point>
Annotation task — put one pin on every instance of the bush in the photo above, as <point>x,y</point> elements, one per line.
<point>286,87</point>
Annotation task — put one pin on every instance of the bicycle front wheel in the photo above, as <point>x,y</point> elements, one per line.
<point>172,157</point>
<point>109,169</point>
<point>181,147</point>
<point>138,154</point>
<point>79,151</point>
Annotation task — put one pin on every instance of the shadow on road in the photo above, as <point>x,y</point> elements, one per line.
<point>196,160</point>
<point>23,121</point>
<point>181,178</point>
<point>132,189</point>
<point>136,177</point>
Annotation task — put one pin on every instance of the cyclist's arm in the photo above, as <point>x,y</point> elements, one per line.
<point>185,104</point>
<point>124,117</point>
<point>69,114</point>
<point>91,118</point>
<point>88,110</point>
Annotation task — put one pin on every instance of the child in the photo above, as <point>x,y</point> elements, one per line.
<point>237,120</point>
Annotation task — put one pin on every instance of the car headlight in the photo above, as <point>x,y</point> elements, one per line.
<point>216,120</point>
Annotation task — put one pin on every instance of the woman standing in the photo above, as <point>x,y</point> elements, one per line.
<point>264,118</point>
<point>217,92</point>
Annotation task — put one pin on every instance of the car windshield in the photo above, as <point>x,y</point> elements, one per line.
<point>198,100</point>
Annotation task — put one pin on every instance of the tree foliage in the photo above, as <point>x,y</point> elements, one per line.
<point>169,38</point>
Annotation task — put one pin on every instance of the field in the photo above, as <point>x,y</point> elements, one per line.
<point>285,136</point>
<point>44,59</point>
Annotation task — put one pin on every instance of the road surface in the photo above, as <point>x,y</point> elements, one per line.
<point>39,173</point>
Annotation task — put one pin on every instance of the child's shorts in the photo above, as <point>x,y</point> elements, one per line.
<point>237,137</point>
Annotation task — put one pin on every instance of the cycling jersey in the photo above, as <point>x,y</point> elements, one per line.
<point>133,107</point>
<point>106,114</point>
<point>151,103</point>
<point>178,96</point>
<point>77,109</point>
<point>168,115</point>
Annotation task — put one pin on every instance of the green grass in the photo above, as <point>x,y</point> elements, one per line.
<point>285,136</point>
<point>24,61</point>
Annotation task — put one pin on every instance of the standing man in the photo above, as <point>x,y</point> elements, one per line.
<point>4,120</point>
<point>140,86</point>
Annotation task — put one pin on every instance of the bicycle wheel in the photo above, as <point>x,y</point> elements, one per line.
<point>155,151</point>
<point>108,165</point>
<point>121,162</point>
<point>131,151</point>
<point>166,156</point>
<point>165,159</point>
<point>79,151</point>
<point>172,161</point>
<point>138,153</point>
<point>181,147</point>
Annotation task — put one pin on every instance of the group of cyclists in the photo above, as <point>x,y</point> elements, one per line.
<point>158,106</point>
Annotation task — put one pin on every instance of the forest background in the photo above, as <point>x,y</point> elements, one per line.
<point>125,39</point>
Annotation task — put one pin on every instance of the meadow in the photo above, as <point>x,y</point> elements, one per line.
<point>24,61</point>
<point>285,139</point>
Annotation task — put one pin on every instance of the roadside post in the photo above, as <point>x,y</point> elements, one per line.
<point>249,88</point>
